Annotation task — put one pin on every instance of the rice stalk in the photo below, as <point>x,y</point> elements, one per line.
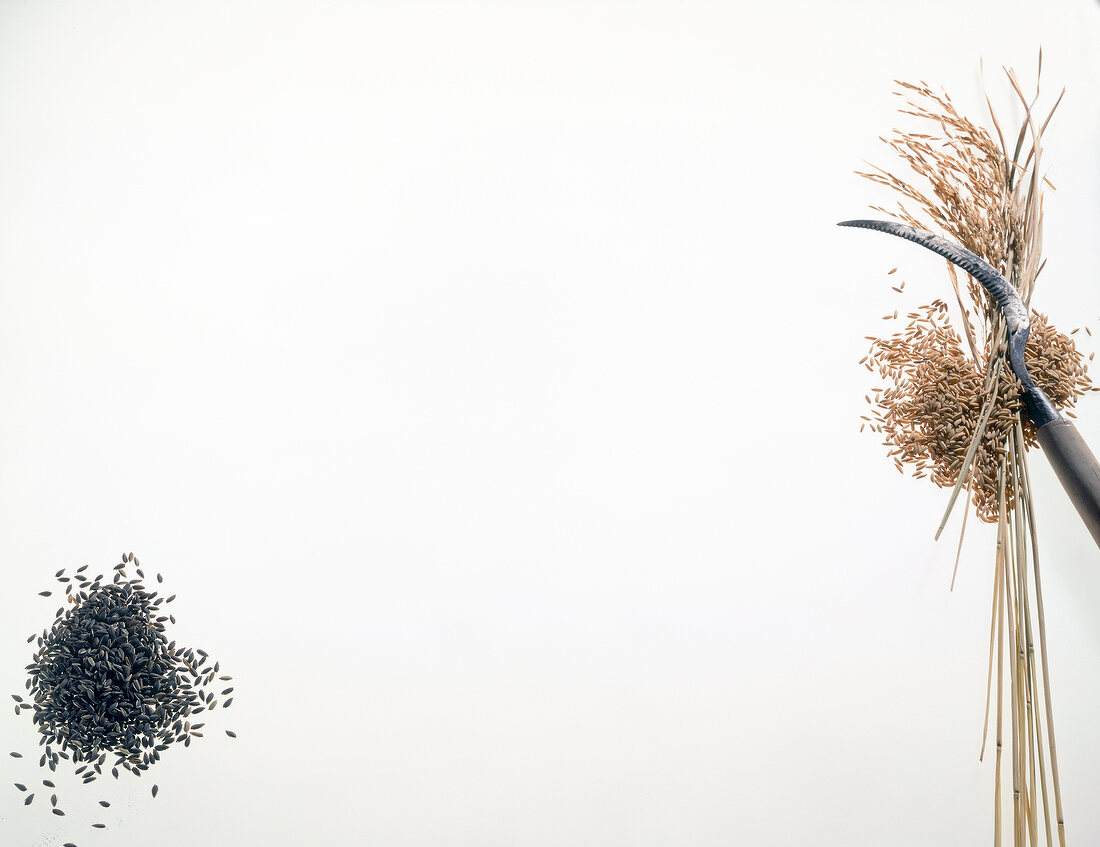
<point>1042,640</point>
<point>955,416</point>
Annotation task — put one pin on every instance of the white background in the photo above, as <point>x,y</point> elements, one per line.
<point>483,378</point>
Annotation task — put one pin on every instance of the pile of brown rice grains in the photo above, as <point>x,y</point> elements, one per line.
<point>935,394</point>
<point>106,688</point>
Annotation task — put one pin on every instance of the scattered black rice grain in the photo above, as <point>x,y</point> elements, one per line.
<point>16,755</point>
<point>53,800</point>
<point>44,593</point>
<point>48,784</point>
<point>229,690</point>
<point>227,703</point>
<point>27,802</point>
<point>99,826</point>
<point>58,812</point>
<point>155,790</point>
<point>104,804</point>
<point>20,786</point>
<point>231,733</point>
<point>68,844</point>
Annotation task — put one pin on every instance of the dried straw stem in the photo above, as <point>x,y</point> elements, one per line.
<point>955,415</point>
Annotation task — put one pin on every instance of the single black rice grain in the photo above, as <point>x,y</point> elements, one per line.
<point>155,790</point>
<point>231,733</point>
<point>27,802</point>
<point>59,812</point>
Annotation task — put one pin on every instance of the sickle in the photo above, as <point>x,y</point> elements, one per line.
<point>1073,462</point>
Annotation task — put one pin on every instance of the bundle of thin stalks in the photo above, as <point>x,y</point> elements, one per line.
<point>953,413</point>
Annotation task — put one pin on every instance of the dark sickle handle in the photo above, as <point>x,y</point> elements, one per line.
<point>1077,470</point>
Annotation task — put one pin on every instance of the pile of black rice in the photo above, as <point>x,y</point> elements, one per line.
<point>106,683</point>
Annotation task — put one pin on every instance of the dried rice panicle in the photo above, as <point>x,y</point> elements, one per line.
<point>963,184</point>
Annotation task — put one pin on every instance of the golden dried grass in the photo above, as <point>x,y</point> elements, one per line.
<point>953,414</point>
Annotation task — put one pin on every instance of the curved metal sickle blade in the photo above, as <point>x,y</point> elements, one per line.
<point>1040,409</point>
